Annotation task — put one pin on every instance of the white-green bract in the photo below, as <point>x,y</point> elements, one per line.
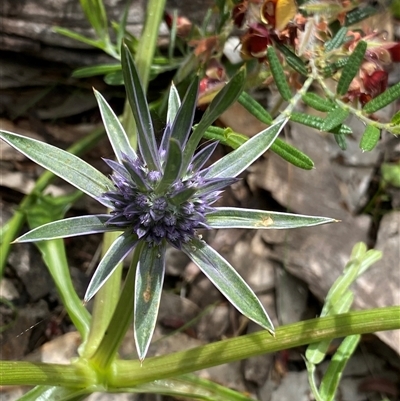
<point>161,195</point>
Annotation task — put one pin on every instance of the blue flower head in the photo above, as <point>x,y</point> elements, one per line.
<point>161,195</point>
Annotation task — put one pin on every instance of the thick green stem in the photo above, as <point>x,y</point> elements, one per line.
<point>131,373</point>
<point>125,374</point>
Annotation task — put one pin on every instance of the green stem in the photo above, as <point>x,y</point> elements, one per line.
<point>131,373</point>
<point>126,374</point>
<point>104,304</point>
<point>11,229</point>
<point>120,321</point>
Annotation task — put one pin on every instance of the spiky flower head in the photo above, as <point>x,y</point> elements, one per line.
<point>161,195</point>
<point>155,212</point>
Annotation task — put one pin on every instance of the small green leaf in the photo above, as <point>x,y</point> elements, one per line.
<point>278,74</point>
<point>334,118</point>
<point>341,129</point>
<point>96,15</point>
<point>293,60</point>
<point>140,110</point>
<point>226,136</point>
<point>174,102</point>
<point>288,152</point>
<point>183,121</point>
<point>358,14</point>
<point>333,374</point>
<point>292,154</point>
<point>255,108</point>
<point>370,138</point>
<point>351,68</point>
<point>114,78</point>
<point>331,68</point>
<point>237,161</point>
<point>230,217</point>
<point>119,249</point>
<point>148,288</point>
<point>80,38</point>
<point>182,196</point>
<point>341,141</point>
<point>318,103</point>
<point>396,119</point>
<point>224,99</point>
<point>385,98</point>
<point>337,40</point>
<point>67,166</point>
<point>116,134</point>
<point>70,227</point>
<point>318,122</point>
<point>172,166</point>
<point>228,281</point>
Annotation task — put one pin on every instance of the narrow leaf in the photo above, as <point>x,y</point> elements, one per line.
<point>182,195</point>
<point>116,134</point>
<point>96,15</point>
<point>183,121</point>
<point>80,38</point>
<point>370,138</point>
<point>172,166</point>
<point>337,40</point>
<point>203,156</point>
<point>215,184</point>
<point>318,103</point>
<point>226,136</point>
<point>174,103</point>
<point>334,118</point>
<point>331,68</point>
<point>140,110</point>
<point>67,166</point>
<point>341,141</point>
<point>293,60</point>
<point>318,122</point>
<point>255,108</point>
<point>225,98</point>
<point>351,68</point>
<point>385,98</point>
<point>333,374</point>
<point>237,161</point>
<point>288,152</point>
<point>228,281</point>
<point>395,119</point>
<point>230,217</point>
<point>148,288</point>
<point>278,74</point>
<point>115,254</point>
<point>70,227</point>
<point>360,13</point>
<point>292,154</point>
<point>94,70</point>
